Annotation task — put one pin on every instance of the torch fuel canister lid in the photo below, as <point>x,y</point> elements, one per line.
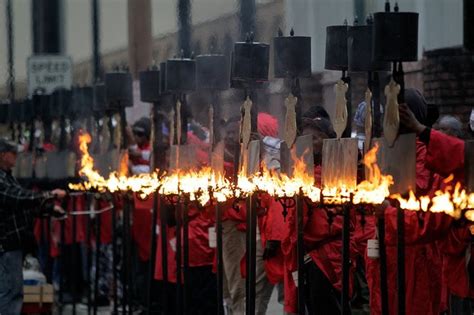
<point>212,72</point>
<point>180,76</point>
<point>150,85</point>
<point>250,63</point>
<point>118,89</point>
<point>336,47</point>
<point>292,56</point>
<point>360,50</point>
<point>395,36</point>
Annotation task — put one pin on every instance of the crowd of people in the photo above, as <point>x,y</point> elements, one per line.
<point>438,265</point>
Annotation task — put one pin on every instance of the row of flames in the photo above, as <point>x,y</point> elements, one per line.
<point>205,184</point>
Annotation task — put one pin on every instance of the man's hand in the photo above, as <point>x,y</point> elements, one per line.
<point>408,119</point>
<point>58,211</point>
<point>59,193</point>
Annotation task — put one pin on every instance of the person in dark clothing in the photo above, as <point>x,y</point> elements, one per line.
<point>18,206</point>
<point>316,111</point>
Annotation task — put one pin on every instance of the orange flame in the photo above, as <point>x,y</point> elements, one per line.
<point>203,185</point>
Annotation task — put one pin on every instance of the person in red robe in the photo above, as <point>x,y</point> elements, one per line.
<point>322,242</point>
<point>445,155</point>
<point>421,231</point>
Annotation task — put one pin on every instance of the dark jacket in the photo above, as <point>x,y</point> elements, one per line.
<point>18,206</point>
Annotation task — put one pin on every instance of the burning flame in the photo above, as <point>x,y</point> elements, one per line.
<point>205,185</point>
<point>449,201</point>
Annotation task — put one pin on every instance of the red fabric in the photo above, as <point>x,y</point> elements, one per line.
<point>324,243</point>
<point>272,227</point>
<point>200,254</point>
<point>171,235</point>
<point>141,228</point>
<point>422,261</point>
<point>140,160</point>
<point>446,156</point>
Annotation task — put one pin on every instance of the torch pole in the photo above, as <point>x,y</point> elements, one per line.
<point>348,130</point>
<point>114,258</point>
<point>401,260</point>
<point>383,265</point>
<point>97,261</point>
<point>185,215</point>
<point>73,257</point>
<point>346,260</point>
<point>220,262</point>
<point>62,265</point>
<point>151,264</point>
<point>377,127</point>
<point>125,253</point>
<point>129,249</point>
<point>164,257</point>
<point>300,253</point>
<point>400,212</point>
<point>89,256</point>
<point>179,279</point>
<point>251,253</point>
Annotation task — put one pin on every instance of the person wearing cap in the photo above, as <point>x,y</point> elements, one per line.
<point>140,149</point>
<point>18,206</point>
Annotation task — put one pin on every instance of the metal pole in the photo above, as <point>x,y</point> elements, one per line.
<point>347,132</point>
<point>89,257</point>
<point>151,264</point>
<point>184,27</point>
<point>220,262</point>
<point>61,267</point>
<point>96,40</point>
<point>345,299</point>
<point>129,251</point>
<point>125,288</point>
<point>401,260</point>
<point>164,257</point>
<point>179,279</point>
<point>300,253</point>
<point>383,265</point>
<point>11,63</point>
<point>247,13</point>
<point>97,261</point>
<point>73,257</point>
<point>377,126</point>
<point>185,215</point>
<point>114,258</point>
<point>251,253</point>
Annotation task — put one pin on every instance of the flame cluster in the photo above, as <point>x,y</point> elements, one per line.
<point>205,185</point>
<point>451,201</point>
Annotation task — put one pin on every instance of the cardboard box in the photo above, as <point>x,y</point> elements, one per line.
<point>38,293</point>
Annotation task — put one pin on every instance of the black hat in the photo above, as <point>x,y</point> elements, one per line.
<point>8,146</point>
<point>143,126</point>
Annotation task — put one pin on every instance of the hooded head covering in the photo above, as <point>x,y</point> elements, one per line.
<point>417,104</point>
<point>315,112</point>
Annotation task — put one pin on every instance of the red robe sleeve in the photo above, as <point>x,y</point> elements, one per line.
<point>445,155</point>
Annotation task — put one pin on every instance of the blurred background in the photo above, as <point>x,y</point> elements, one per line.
<point>138,33</point>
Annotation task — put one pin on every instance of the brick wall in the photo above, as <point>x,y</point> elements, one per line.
<point>448,80</point>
